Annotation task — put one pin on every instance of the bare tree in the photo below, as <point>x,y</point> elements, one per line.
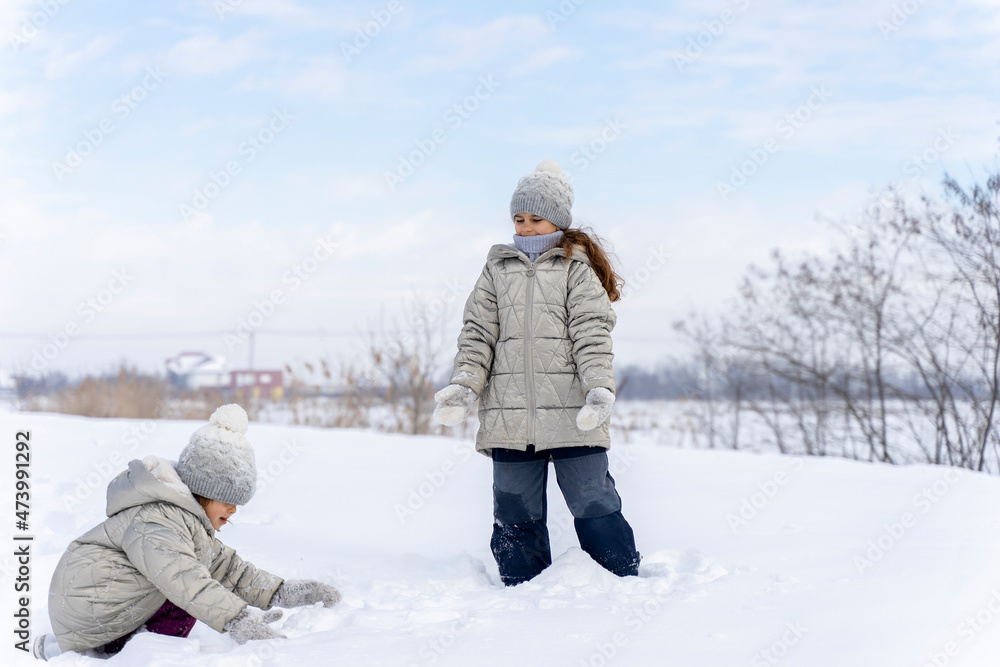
<point>717,399</point>
<point>887,349</point>
<point>406,359</point>
<point>388,383</point>
<point>962,350</point>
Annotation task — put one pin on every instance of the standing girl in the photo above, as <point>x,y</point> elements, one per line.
<point>535,348</point>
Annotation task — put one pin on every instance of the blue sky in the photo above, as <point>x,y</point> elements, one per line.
<point>650,106</point>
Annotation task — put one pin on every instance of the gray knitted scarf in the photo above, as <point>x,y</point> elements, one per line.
<point>534,246</point>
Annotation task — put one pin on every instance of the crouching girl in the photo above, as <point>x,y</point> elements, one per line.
<point>156,562</point>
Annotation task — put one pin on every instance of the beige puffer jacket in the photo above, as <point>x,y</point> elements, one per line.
<point>536,338</point>
<point>157,544</point>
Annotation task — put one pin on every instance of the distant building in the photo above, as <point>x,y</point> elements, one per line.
<point>8,386</point>
<point>257,384</point>
<point>198,370</point>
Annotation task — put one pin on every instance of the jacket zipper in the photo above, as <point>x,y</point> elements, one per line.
<point>529,374</point>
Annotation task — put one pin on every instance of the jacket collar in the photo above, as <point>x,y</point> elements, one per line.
<point>508,250</point>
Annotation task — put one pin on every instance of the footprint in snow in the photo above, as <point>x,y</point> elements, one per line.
<point>681,566</point>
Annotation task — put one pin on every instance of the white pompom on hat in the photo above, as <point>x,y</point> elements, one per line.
<point>545,192</point>
<point>218,462</point>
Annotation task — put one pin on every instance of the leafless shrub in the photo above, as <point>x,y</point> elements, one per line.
<point>388,385</point>
<point>887,350</point>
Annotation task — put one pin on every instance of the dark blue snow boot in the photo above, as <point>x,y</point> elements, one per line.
<point>521,550</point>
<point>609,541</point>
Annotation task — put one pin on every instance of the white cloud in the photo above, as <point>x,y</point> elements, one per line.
<point>873,125</point>
<point>322,77</point>
<point>60,64</point>
<point>359,241</point>
<point>568,137</point>
<point>205,53</point>
<point>545,57</point>
<point>450,47</point>
<point>121,243</point>
<point>197,127</point>
<point>288,11</point>
<point>897,127</point>
<point>196,232</point>
<point>332,188</point>
<point>354,187</point>
<point>800,44</point>
<point>670,22</point>
<point>23,222</point>
<point>283,10</point>
<point>18,102</point>
<point>13,13</point>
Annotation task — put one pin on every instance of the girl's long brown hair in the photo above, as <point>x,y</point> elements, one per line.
<point>600,260</point>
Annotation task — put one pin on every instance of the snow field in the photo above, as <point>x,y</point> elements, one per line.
<point>749,559</point>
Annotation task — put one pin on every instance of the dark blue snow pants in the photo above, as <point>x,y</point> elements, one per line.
<point>520,540</point>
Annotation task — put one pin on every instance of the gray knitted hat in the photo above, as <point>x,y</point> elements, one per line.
<point>218,462</point>
<point>546,192</point>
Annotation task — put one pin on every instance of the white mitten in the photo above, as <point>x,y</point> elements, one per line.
<point>597,409</point>
<point>299,593</point>
<point>252,624</point>
<point>454,403</point>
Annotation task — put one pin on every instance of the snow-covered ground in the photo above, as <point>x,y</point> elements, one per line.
<point>749,559</point>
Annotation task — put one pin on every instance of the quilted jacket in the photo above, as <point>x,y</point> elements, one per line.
<point>156,545</point>
<point>536,338</point>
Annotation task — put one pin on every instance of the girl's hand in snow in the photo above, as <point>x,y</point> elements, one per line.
<point>299,593</point>
<point>252,624</point>
<point>597,409</point>
<point>454,403</point>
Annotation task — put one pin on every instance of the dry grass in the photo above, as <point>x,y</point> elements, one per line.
<point>129,394</point>
<point>126,395</point>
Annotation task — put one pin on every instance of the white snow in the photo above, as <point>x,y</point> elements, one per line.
<point>402,525</point>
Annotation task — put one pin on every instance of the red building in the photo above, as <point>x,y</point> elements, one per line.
<point>257,384</point>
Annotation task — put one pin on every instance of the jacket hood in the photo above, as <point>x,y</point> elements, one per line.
<point>502,250</point>
<point>152,480</point>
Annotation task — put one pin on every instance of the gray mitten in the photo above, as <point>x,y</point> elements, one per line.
<point>454,403</point>
<point>597,409</point>
<point>299,593</point>
<point>251,624</point>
